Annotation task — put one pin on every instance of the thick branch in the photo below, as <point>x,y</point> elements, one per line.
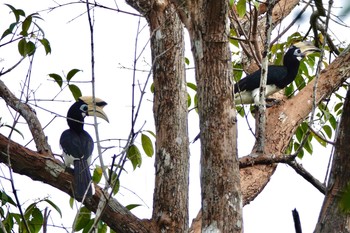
<point>52,172</point>
<point>286,117</point>
<point>29,115</point>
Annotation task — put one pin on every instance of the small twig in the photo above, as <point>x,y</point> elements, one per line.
<point>307,176</point>
<point>249,161</point>
<point>292,23</point>
<point>320,137</point>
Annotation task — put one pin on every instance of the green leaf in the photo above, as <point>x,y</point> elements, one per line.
<point>134,156</point>
<point>5,33</point>
<point>8,222</point>
<point>241,8</point>
<point>82,219</point>
<point>288,91</point>
<point>6,199</point>
<point>147,145</point>
<point>96,177</point>
<point>71,73</point>
<point>58,79</point>
<point>22,47</point>
<point>46,45</point>
<point>192,86</point>
<point>71,202</point>
<point>74,89</point>
<point>9,30</point>
<point>132,206</point>
<point>320,140</point>
<point>102,227</point>
<point>26,25</point>
<point>187,61</point>
<point>299,134</point>
<point>54,206</point>
<point>308,147</point>
<point>16,12</point>
<point>338,106</point>
<point>36,221</point>
<point>30,48</point>
<point>333,122</point>
<point>188,100</point>
<point>328,130</point>
<point>116,185</point>
<point>88,226</point>
<point>152,88</point>
<point>151,132</point>
<point>14,129</point>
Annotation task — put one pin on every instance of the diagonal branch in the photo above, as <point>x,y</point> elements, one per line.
<point>29,115</point>
<point>51,171</point>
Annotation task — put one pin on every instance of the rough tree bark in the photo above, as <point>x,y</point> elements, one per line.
<point>283,120</point>
<point>332,218</point>
<point>220,182</point>
<point>206,21</point>
<point>170,198</point>
<point>170,202</point>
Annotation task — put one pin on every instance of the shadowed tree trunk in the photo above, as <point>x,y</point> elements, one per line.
<point>332,218</point>
<point>170,200</point>
<point>220,181</point>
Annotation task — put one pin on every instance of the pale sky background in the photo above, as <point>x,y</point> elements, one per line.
<point>115,35</point>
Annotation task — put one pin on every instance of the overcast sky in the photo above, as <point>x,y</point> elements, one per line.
<point>115,33</point>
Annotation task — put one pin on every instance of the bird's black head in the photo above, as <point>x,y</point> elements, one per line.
<point>76,114</point>
<point>298,51</point>
<point>82,108</point>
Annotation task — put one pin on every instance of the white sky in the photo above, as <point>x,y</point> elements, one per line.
<point>114,45</point>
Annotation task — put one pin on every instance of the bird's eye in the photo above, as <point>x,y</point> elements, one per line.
<point>84,108</point>
<point>297,52</point>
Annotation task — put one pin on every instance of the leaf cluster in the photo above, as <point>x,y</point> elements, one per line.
<point>26,31</point>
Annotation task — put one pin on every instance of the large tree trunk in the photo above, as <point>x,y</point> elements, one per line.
<point>170,202</point>
<point>220,181</point>
<point>332,218</point>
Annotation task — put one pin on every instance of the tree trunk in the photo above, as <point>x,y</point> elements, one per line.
<point>220,181</point>
<point>170,202</point>
<point>332,218</point>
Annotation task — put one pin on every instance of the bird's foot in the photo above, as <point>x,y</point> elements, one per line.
<point>270,102</point>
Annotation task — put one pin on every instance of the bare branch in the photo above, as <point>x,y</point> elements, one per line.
<point>29,115</point>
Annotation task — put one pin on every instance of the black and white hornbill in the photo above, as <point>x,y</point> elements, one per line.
<point>78,145</point>
<point>278,77</point>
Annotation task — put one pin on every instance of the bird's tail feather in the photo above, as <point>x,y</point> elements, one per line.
<point>82,179</point>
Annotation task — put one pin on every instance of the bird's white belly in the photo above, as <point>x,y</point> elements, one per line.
<point>249,97</point>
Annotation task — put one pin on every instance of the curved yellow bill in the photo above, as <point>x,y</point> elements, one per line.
<point>307,47</point>
<point>100,104</point>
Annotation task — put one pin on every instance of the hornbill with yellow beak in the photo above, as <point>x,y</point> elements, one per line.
<point>278,77</point>
<point>78,145</point>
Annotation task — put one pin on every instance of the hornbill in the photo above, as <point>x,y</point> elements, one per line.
<point>278,77</point>
<point>78,145</point>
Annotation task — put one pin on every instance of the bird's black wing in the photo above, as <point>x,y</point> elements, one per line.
<point>78,145</point>
<point>252,81</point>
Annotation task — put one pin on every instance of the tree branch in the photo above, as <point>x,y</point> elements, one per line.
<point>29,115</point>
<point>51,171</point>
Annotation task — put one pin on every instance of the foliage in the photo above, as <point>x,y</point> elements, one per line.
<point>33,217</point>
<point>74,89</point>
<point>26,31</point>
